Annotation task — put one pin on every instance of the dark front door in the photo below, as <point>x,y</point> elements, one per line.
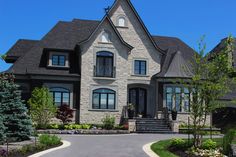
<point>138,97</point>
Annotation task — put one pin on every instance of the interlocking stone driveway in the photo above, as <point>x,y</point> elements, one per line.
<point>108,145</point>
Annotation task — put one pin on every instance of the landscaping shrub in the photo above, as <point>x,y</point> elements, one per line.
<point>42,107</point>
<point>227,140</point>
<point>49,140</point>
<point>209,144</point>
<point>13,111</point>
<point>108,122</point>
<point>86,126</point>
<point>65,114</point>
<point>178,143</point>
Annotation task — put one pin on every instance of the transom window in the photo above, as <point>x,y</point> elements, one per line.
<point>61,96</point>
<point>121,21</point>
<point>58,60</point>
<point>105,38</point>
<point>104,99</point>
<point>104,64</point>
<point>140,67</point>
<point>177,98</point>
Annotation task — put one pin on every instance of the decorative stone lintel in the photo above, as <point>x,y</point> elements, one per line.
<point>132,125</point>
<point>174,126</point>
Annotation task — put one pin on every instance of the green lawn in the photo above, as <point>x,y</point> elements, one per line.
<point>160,148</point>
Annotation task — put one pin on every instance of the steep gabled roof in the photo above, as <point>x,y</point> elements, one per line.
<point>141,22</point>
<point>19,49</point>
<point>172,45</point>
<point>106,17</point>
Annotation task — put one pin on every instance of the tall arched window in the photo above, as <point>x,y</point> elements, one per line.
<point>121,22</point>
<point>60,96</point>
<point>104,64</point>
<point>104,99</point>
<point>105,38</point>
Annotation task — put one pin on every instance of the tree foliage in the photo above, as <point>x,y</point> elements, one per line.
<point>17,124</point>
<point>65,113</point>
<point>42,107</point>
<point>210,81</point>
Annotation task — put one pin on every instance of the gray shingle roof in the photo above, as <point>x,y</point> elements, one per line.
<point>64,35</point>
<point>20,48</point>
<point>172,45</point>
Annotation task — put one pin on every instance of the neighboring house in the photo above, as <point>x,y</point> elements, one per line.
<point>98,67</point>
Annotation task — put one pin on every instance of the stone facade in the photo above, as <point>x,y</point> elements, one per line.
<point>134,35</point>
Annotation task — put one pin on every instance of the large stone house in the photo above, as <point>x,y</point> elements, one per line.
<point>98,67</point>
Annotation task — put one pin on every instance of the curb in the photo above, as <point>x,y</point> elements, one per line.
<point>147,149</point>
<point>64,145</point>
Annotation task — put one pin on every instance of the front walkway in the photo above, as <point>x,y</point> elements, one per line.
<point>108,145</point>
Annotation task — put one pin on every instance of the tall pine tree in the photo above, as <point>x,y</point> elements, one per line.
<point>13,111</point>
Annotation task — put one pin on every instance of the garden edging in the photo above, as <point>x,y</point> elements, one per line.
<point>64,145</point>
<point>88,132</point>
<point>147,149</point>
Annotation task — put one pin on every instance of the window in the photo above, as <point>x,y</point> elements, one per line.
<point>60,96</point>
<point>58,60</point>
<point>121,22</point>
<point>104,64</point>
<point>104,99</point>
<point>105,38</point>
<point>177,98</point>
<point>140,67</point>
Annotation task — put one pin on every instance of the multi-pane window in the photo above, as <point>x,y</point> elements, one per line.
<point>105,38</point>
<point>58,60</point>
<point>104,99</point>
<point>61,96</point>
<point>140,67</point>
<point>104,64</point>
<point>177,98</point>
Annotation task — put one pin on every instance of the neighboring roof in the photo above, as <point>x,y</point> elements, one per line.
<point>182,59</point>
<point>106,17</point>
<point>221,46</point>
<point>20,48</point>
<point>141,22</point>
<point>64,35</point>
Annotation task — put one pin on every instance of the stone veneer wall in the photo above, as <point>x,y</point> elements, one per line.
<point>134,35</point>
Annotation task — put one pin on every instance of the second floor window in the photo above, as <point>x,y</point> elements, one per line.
<point>104,64</point>
<point>140,67</point>
<point>58,60</point>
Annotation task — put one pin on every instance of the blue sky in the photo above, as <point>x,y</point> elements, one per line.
<point>186,19</point>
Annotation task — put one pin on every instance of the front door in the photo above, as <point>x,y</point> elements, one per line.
<point>138,97</point>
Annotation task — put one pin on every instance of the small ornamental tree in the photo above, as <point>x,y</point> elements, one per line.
<point>210,81</point>
<point>65,114</point>
<point>13,111</point>
<point>42,107</point>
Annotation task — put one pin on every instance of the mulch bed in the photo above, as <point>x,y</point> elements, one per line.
<point>181,153</point>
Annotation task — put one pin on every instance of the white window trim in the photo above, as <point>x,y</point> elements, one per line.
<point>62,54</point>
<point>125,21</point>
<point>101,37</point>
<point>133,67</point>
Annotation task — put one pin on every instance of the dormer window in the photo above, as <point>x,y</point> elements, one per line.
<point>105,38</point>
<point>58,59</point>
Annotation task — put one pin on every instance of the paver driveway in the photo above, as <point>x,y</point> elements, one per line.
<point>108,145</point>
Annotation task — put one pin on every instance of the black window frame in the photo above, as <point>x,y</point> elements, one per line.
<point>58,60</point>
<point>61,93</point>
<point>104,58</point>
<point>140,67</point>
<point>107,99</point>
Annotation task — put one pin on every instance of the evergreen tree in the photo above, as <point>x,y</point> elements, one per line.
<point>14,112</point>
<point>2,130</point>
